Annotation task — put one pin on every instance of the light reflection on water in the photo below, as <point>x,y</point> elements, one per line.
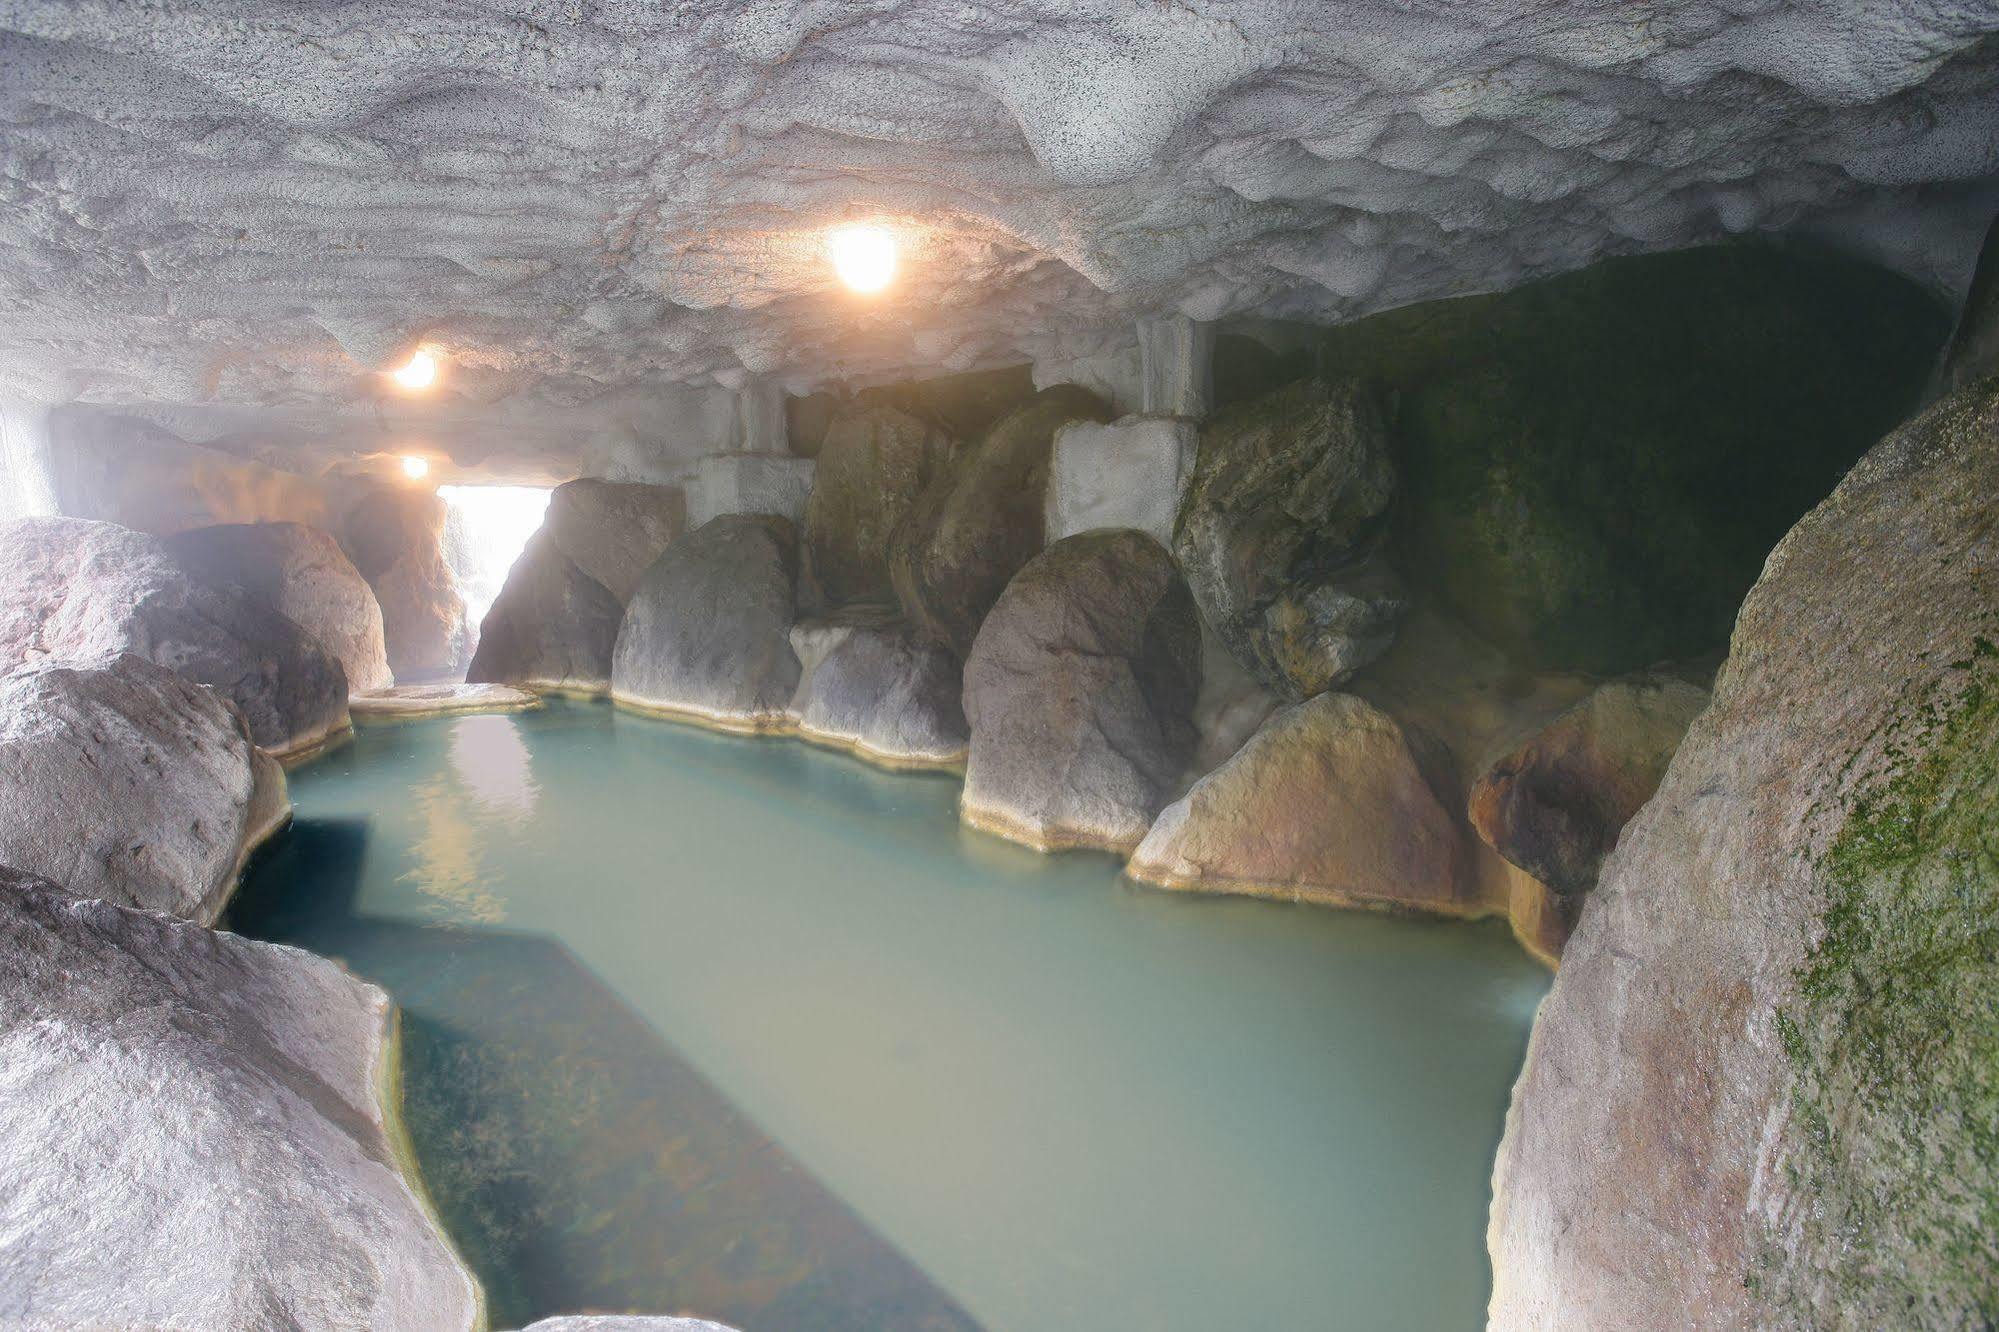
<point>1069,1102</point>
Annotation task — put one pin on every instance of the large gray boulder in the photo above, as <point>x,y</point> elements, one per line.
<point>707,635</point>
<point>395,536</point>
<point>195,1133</point>
<point>76,590</point>
<point>869,684</point>
<point>1973,350</point>
<point>301,573</point>
<point>553,626</point>
<point>1327,803</point>
<point>1079,692</point>
<point>1761,1093</point>
<point>982,518</point>
<point>124,781</point>
<point>873,464</point>
<point>613,530</point>
<point>1280,534</point>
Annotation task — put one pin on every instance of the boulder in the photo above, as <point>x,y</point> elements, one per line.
<point>395,536</point>
<point>1761,1093</point>
<point>553,626</point>
<point>197,1131</point>
<point>869,684</point>
<point>873,463</point>
<point>1555,803</point>
<point>1130,473</point>
<point>707,635</point>
<point>1446,685</point>
<point>1079,691</point>
<point>1280,529</point>
<point>1329,802</point>
<point>77,590</point>
<point>981,518</point>
<point>124,781</point>
<point>614,530</point>
<point>301,573</point>
<point>962,406</point>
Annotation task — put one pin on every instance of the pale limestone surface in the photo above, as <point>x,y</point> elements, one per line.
<point>197,1131</point>
<point>121,780</point>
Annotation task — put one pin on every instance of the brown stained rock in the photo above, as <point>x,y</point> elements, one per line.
<point>1327,803</point>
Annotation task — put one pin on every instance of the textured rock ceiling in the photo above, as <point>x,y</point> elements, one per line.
<point>260,203</point>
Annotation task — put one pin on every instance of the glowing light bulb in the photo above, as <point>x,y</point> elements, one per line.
<point>415,468</point>
<point>419,374</point>
<point>863,256</point>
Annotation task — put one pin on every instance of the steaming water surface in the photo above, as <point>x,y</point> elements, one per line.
<point>739,1027</point>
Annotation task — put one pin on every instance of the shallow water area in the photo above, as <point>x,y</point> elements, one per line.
<point>745,1028</point>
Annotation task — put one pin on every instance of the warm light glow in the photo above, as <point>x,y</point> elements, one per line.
<point>418,374</point>
<point>415,468</point>
<point>864,257</point>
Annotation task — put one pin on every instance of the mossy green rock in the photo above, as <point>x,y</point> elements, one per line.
<point>1594,466</point>
<point>1764,1091</point>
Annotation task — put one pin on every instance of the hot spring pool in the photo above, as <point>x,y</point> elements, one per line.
<point>744,1028</point>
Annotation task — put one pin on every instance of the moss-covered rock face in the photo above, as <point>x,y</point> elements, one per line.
<point>1764,1091</point>
<point>1595,466</point>
<point>1894,1035</point>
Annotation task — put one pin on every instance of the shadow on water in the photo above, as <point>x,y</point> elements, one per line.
<point>578,1160</point>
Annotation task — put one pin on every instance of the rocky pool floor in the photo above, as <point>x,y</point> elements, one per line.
<point>739,1027</point>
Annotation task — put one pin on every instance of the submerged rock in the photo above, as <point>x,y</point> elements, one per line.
<point>80,591</point>
<point>195,1131</point>
<point>1079,691</point>
<point>1279,532</point>
<point>124,781</point>
<point>1761,1091</point>
<point>981,519</point>
<point>553,626</point>
<point>1329,803</point>
<point>395,537</point>
<point>614,530</point>
<point>1555,803</point>
<point>301,573</point>
<point>873,464</point>
<point>436,700</point>
<point>623,1323</point>
<point>707,635</point>
<point>870,684</point>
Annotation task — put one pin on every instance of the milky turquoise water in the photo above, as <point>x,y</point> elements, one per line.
<point>745,1028</point>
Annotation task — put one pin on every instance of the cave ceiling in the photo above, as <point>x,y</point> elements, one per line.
<point>260,205</point>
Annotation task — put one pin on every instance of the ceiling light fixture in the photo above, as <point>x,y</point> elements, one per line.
<point>415,468</point>
<point>863,256</point>
<point>418,374</point>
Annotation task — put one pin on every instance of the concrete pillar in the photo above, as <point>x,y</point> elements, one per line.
<point>760,425</point>
<point>1130,473</point>
<point>749,483</point>
<point>1176,366</point>
<point>27,471</point>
